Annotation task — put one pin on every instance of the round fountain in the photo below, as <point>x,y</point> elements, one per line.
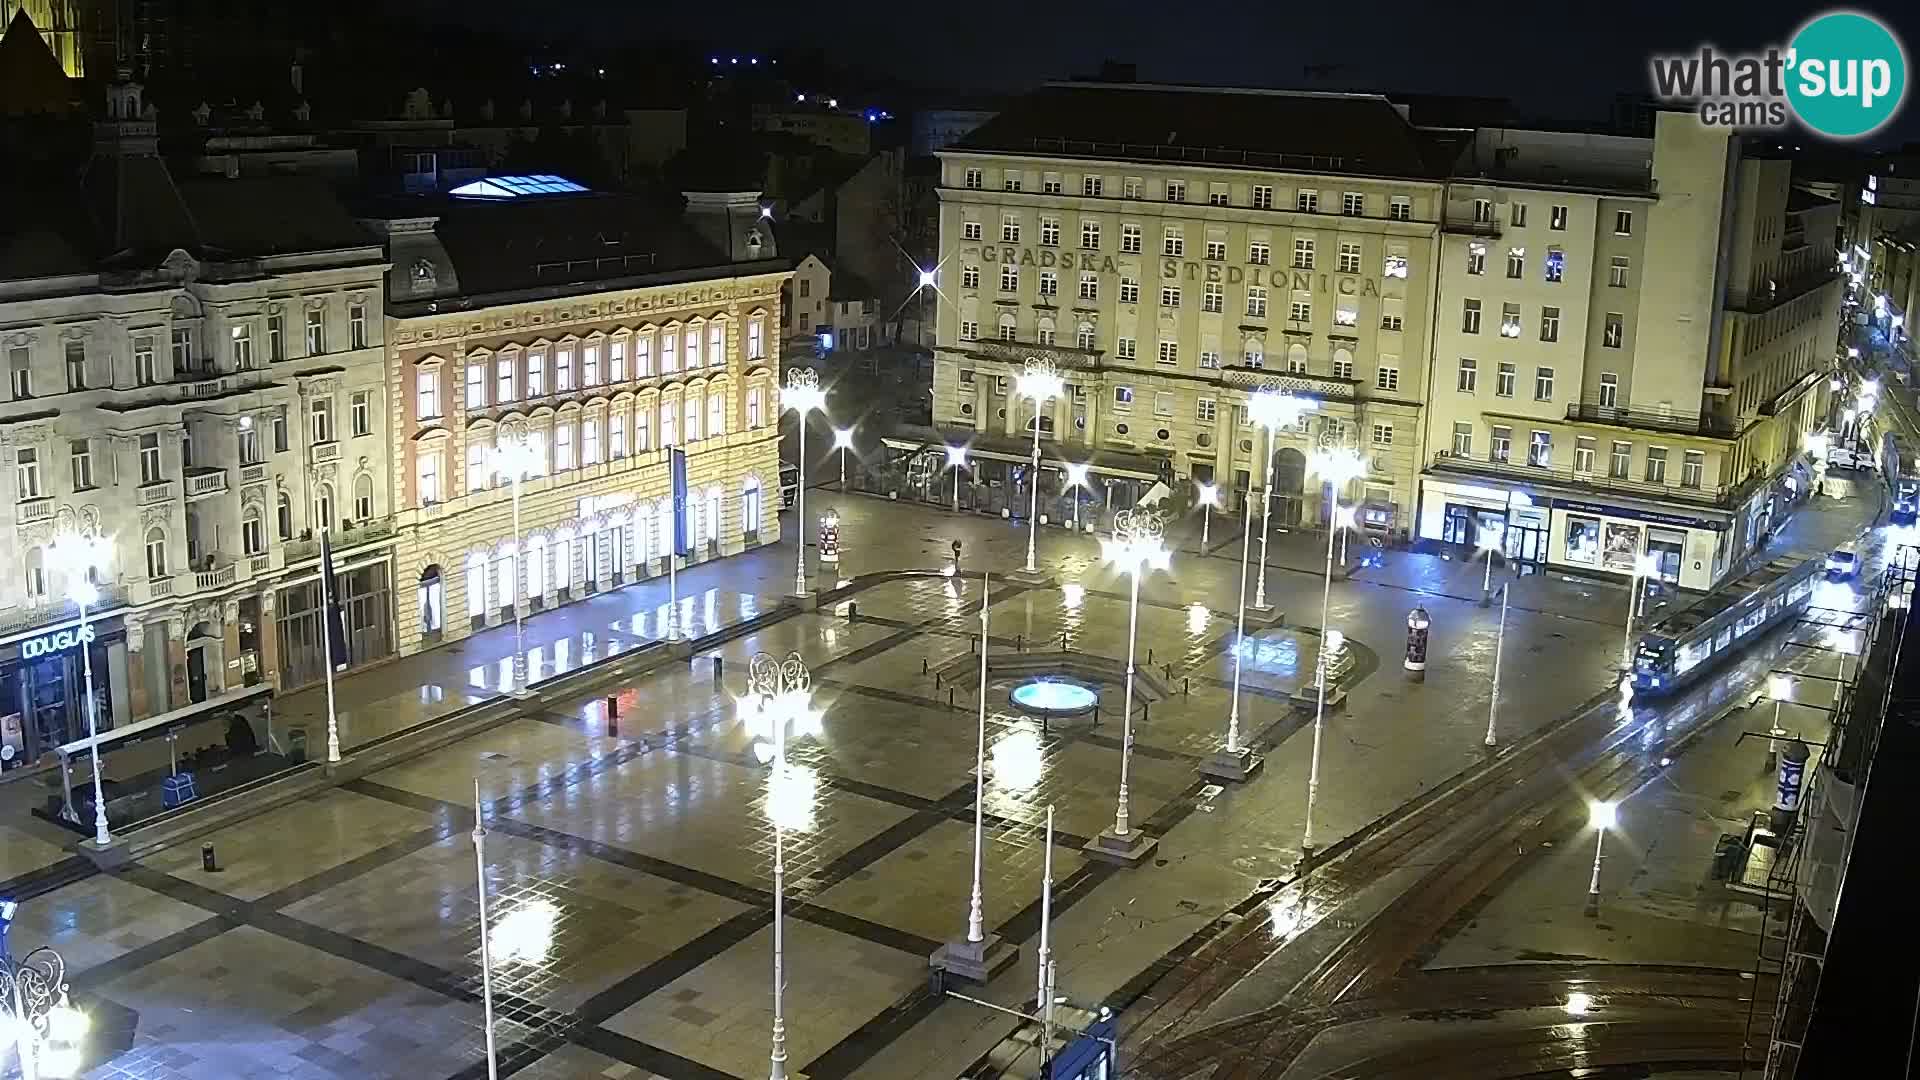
<point>1054,697</point>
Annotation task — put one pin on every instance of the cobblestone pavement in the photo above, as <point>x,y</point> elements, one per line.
<point>629,865</point>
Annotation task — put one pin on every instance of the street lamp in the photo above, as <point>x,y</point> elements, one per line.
<point>1645,566</point>
<point>803,395</point>
<point>486,928</point>
<point>967,957</point>
<point>779,698</point>
<point>1780,689</point>
<point>956,460</point>
<point>1077,478</point>
<point>1209,497</point>
<point>47,1029</point>
<point>1499,647</point>
<point>1272,409</point>
<point>1137,544</point>
<point>1602,816</point>
<point>78,557</point>
<point>843,442</point>
<point>1489,542</point>
<point>1337,467</point>
<point>515,456</point>
<point>1236,762</point>
<point>1040,382</point>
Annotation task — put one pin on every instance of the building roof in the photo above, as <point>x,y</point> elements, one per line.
<point>31,79</point>
<point>1800,200</point>
<point>1363,134</point>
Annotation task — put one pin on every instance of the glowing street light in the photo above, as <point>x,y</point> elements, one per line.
<point>779,700</point>
<point>967,957</point>
<point>1488,541</point>
<point>515,455</point>
<point>1602,816</point>
<point>78,557</point>
<point>1077,478</point>
<point>1040,382</point>
<point>1780,689</point>
<point>1138,543</point>
<point>1208,497</point>
<point>803,395</point>
<point>1236,762</point>
<point>1272,409</point>
<point>1645,568</point>
<point>48,1031</point>
<point>1499,647</point>
<point>927,279</point>
<point>843,442</point>
<point>956,460</point>
<point>1337,467</point>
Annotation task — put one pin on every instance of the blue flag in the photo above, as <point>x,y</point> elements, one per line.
<point>334,612</point>
<point>682,528</point>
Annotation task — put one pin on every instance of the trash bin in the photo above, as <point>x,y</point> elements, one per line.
<point>297,745</point>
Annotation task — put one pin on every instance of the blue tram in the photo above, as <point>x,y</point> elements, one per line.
<point>1688,643</point>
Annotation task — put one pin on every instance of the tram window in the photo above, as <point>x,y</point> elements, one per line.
<point>1752,619</point>
<point>1691,654</point>
<point>1801,590</point>
<point>1725,639</point>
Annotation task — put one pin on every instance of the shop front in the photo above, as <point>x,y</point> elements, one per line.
<point>42,687</point>
<point>1465,514</point>
<point>1688,552</point>
<point>366,597</point>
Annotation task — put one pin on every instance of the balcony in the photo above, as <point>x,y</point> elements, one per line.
<point>365,532</point>
<point>323,452</point>
<point>253,474</point>
<point>159,587</point>
<point>202,481</point>
<point>1017,352</point>
<point>1471,227</point>
<point>29,511</point>
<point>218,577</point>
<point>55,610</point>
<point>1706,425</point>
<point>1723,496</point>
<point>159,491</point>
<point>1322,387</point>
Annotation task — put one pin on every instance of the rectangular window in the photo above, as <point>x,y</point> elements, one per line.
<point>1342,368</point>
<point>1084,338</point>
<point>360,412</point>
<point>276,338</point>
<point>1135,187</point>
<point>756,338</point>
<point>1470,317</point>
<point>1557,219</point>
<point>1204,410</point>
<point>429,478</point>
<point>427,395</point>
<point>969,230</point>
<point>1050,184</point>
<point>1011,182</point>
<point>1386,378</point>
<point>1623,222</point>
<point>1469,380</point>
<point>1089,286</point>
<point>1173,243</point>
<point>1476,259</point>
<point>1090,235</point>
<point>1170,296</point>
<point>642,430</point>
<point>1543,384</point>
<point>1303,253</point>
<point>1300,311</point>
<point>617,435</point>
<point>357,325</point>
<point>1609,390</point>
<point>1257,301</point>
<point>76,365</point>
<point>150,459</point>
<point>27,472</point>
<point>969,330</point>
<point>1123,398</point>
<point>695,358</point>
<point>1383,434</point>
<point>1501,448</point>
<point>1391,321</point>
<point>1049,232</point>
<point>1510,320</point>
<point>320,419</point>
<point>477,472</point>
<point>503,387</point>
<point>1549,324</point>
<point>1353,204</point>
<point>1583,455</point>
<point>972,179</point>
<point>1163,404</point>
<point>1176,191</point>
<point>1400,208</point>
<point>1503,380</point>
<point>145,371</point>
<point>1307,202</point>
<point>716,415</point>
<point>1620,460</point>
<point>1091,186</point>
<point>1556,265</point>
<point>281,439</point>
<point>617,358</point>
<point>1259,253</point>
<point>20,372</point>
<point>1130,239</point>
<point>1519,213</point>
<point>1516,260</point>
<point>1349,258</point>
<point>1216,194</point>
<point>562,447</point>
<point>1540,450</point>
<point>1346,312</point>
<point>1656,464</point>
<point>1007,330</point>
<point>643,356</point>
<point>476,384</point>
<point>82,457</point>
<point>1125,348</point>
<point>1209,359</point>
<point>753,407</point>
<point>1613,330</point>
<point>240,343</point>
<point>1693,467</point>
<point>1262,197</point>
<point>969,277</point>
<point>1009,277</point>
<point>1617,269</point>
<point>1462,439</point>
<point>537,373</point>
<point>1049,283</point>
<point>316,331</point>
<point>590,365</point>
<point>1214,297</point>
<point>1129,291</point>
<point>1216,251</point>
<point>1483,211</point>
<point>669,351</point>
<point>1169,352</point>
<point>1009,230</point>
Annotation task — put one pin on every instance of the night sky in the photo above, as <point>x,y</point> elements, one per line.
<point>1551,59</point>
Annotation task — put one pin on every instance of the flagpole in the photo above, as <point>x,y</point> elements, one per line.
<point>326,648</point>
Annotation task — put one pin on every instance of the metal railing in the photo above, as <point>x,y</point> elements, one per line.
<point>1017,352</point>
<point>1213,155</point>
<point>1650,419</point>
<point>364,532</point>
<point>1720,495</point>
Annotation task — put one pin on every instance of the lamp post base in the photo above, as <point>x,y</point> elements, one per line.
<point>1263,616</point>
<point>1592,910</point>
<point>1029,577</point>
<point>1130,850</point>
<point>975,961</point>
<point>807,601</point>
<point>1235,767</point>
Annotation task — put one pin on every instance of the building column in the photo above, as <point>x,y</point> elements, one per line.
<point>138,705</point>
<point>1093,418</point>
<point>177,657</point>
<point>230,676</point>
<point>980,400</point>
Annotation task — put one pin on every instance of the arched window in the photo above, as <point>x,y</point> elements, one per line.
<point>323,506</point>
<point>505,566</point>
<point>1297,358</point>
<point>431,600</point>
<point>36,573</point>
<point>692,430</point>
<point>665,520</point>
<point>716,412</point>
<point>750,505</point>
<point>156,552</point>
<point>536,566</point>
<point>476,584</point>
<point>283,514</point>
<point>1007,326</point>
<point>362,497</point>
<point>710,525</point>
<point>562,548</point>
<point>253,530</point>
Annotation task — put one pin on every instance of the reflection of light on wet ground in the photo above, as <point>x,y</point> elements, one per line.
<point>1579,1004</point>
<point>1278,655</point>
<point>524,935</point>
<point>432,693</point>
<point>1019,759</point>
<point>1834,594</point>
<point>1073,594</point>
<point>1197,619</point>
<point>1284,917</point>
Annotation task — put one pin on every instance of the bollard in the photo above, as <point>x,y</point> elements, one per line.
<point>936,680</point>
<point>1186,686</point>
<point>207,861</point>
<point>1019,643</point>
<point>950,697</point>
<point>973,646</point>
<point>923,665</point>
<point>1146,711</point>
<point>716,671</point>
<point>613,716</point>
<point>1149,657</point>
<point>853,611</point>
<point>1096,714</point>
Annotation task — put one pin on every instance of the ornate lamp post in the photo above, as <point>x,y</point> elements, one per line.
<point>1077,478</point>
<point>1208,496</point>
<point>1237,762</point>
<point>514,454</point>
<point>47,1029</point>
<point>803,395</point>
<point>956,460</point>
<point>1041,383</point>
<point>1273,409</point>
<point>78,557</point>
<point>1337,467</point>
<point>778,702</point>
<point>1602,816</point>
<point>843,442</point>
<point>1138,543</point>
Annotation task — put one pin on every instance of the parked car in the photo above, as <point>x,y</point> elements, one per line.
<point>789,484</point>
<point>1843,563</point>
<point>1842,457</point>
